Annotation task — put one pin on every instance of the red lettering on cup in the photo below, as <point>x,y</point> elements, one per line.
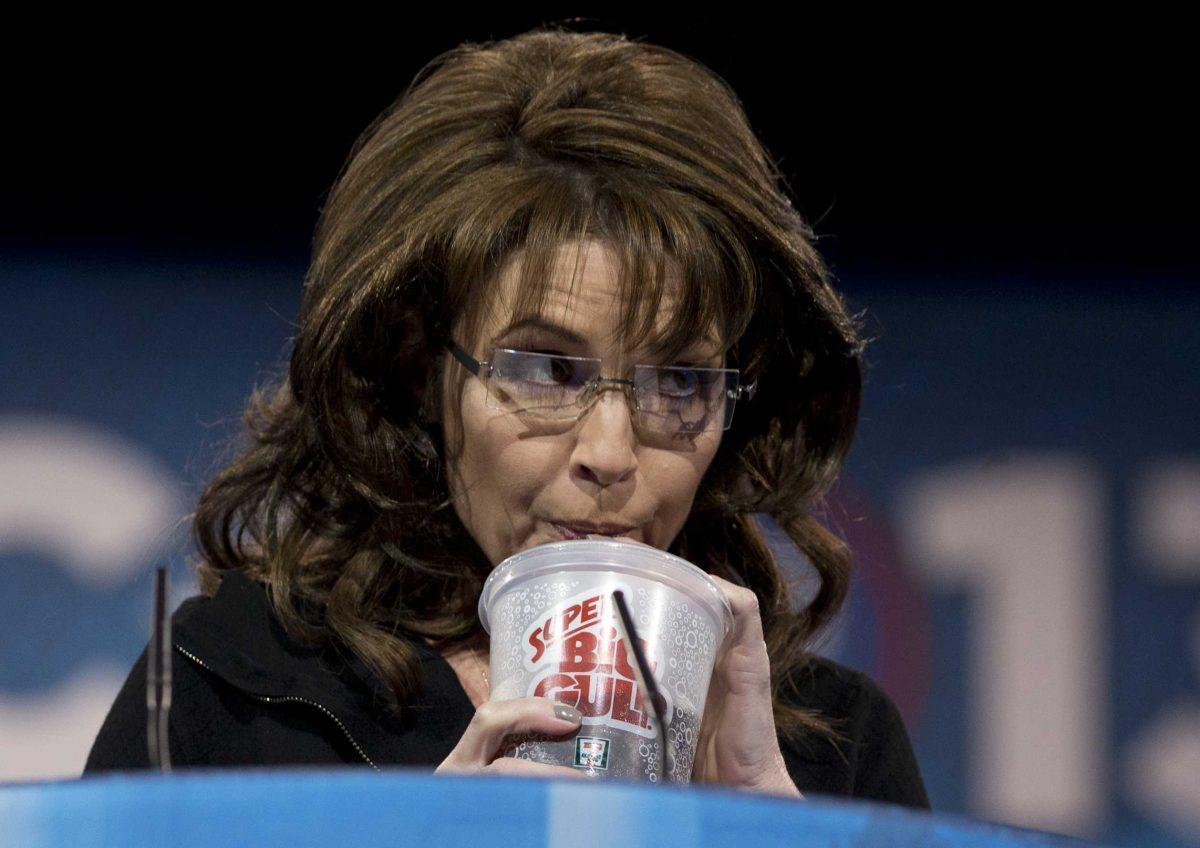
<point>595,694</point>
<point>579,653</point>
<point>560,687</point>
<point>628,704</point>
<point>583,662</point>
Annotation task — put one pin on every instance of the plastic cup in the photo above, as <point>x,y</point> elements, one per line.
<point>555,633</point>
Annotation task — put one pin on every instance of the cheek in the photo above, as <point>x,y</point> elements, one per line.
<point>688,462</point>
<point>494,457</point>
<point>513,470</point>
<point>500,475</point>
<point>674,478</point>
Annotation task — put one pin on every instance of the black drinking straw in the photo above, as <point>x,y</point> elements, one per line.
<point>645,679</point>
<point>158,676</point>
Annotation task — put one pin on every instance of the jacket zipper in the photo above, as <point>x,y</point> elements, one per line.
<point>275,699</point>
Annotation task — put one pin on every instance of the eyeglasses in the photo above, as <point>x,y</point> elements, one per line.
<point>665,399</point>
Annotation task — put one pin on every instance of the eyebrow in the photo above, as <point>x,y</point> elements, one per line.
<point>539,323</point>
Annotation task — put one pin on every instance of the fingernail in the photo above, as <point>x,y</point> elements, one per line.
<point>567,713</point>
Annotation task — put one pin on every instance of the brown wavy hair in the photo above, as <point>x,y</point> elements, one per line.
<point>339,501</point>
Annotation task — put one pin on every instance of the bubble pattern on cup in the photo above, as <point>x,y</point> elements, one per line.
<point>681,639</point>
<point>510,617</point>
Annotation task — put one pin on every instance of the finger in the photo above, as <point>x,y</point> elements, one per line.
<point>747,622</point>
<point>744,666</point>
<point>528,768</point>
<point>494,720</point>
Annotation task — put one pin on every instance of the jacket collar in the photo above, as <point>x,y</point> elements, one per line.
<point>235,635</point>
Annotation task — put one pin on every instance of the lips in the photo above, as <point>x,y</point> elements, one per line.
<point>582,529</point>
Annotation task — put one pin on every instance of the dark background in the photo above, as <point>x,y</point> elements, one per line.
<point>985,142</point>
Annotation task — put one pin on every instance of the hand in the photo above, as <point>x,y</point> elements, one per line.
<point>738,745</point>
<point>481,742</point>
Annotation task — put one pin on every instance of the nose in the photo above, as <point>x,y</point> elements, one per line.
<point>605,443</point>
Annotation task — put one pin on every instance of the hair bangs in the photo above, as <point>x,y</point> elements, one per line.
<point>677,257</point>
<point>675,250</point>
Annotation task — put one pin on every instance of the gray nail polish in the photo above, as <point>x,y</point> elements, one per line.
<point>567,713</point>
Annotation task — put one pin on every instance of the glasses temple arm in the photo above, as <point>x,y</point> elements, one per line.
<point>471,363</point>
<point>747,390</point>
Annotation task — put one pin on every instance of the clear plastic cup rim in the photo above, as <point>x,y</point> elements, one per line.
<point>608,555</point>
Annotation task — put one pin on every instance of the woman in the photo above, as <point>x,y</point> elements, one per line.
<point>583,205</point>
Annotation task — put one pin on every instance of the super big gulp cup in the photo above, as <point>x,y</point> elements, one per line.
<point>555,633</point>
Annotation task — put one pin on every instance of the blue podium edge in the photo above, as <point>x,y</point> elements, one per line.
<point>396,807</point>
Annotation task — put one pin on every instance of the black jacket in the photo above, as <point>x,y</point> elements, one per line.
<point>245,694</point>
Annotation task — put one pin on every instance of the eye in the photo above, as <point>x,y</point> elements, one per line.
<point>561,370</point>
<point>679,381</point>
<point>549,368</point>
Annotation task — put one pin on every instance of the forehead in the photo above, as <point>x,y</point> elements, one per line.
<point>582,289</point>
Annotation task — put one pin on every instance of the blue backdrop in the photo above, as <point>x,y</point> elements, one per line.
<point>1023,499</point>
